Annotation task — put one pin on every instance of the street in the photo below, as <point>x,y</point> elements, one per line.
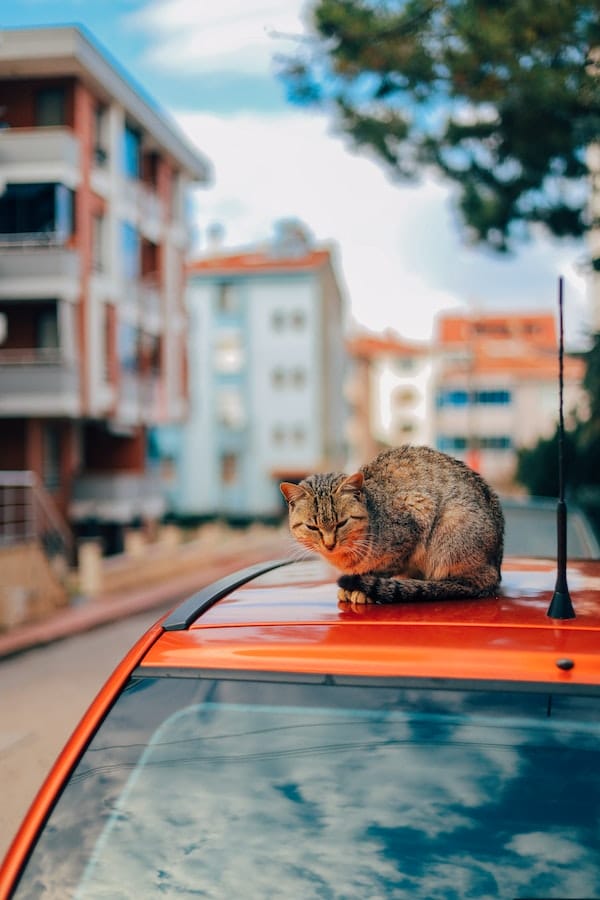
<point>43,694</point>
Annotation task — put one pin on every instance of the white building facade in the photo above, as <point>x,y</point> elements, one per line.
<point>266,372</point>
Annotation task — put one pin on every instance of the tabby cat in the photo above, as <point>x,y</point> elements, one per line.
<point>413,524</point>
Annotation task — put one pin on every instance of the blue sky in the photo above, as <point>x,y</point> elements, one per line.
<point>398,250</point>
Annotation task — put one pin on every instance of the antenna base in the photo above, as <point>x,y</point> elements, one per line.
<point>561,606</point>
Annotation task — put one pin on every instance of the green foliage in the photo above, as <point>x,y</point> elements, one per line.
<point>500,97</point>
<point>538,466</point>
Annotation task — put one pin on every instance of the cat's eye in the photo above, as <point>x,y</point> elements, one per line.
<point>342,523</point>
<point>311,527</point>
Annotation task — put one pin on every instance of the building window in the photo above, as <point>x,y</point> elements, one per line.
<point>493,397</point>
<point>230,409</point>
<point>278,378</point>
<point>127,347</point>
<point>277,320</point>
<point>495,442</point>
<point>404,364</point>
<point>50,106</point>
<point>298,319</point>
<point>278,435</point>
<point>229,352</point>
<point>98,243</point>
<point>47,329</point>
<point>100,135</point>
<point>132,147</point>
<point>43,211</point>
<point>298,378</point>
<point>405,396</point>
<point>130,251</point>
<point>406,429</point>
<point>452,398</point>
<point>449,443</point>
<point>227,299</point>
<point>229,468</point>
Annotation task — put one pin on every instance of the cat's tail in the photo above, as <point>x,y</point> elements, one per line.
<point>379,589</point>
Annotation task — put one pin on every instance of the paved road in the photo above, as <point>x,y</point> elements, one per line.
<point>43,694</point>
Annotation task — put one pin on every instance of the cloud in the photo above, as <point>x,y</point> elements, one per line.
<point>268,168</point>
<point>398,249</point>
<point>231,36</point>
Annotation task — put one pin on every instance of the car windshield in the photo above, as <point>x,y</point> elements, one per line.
<point>225,787</point>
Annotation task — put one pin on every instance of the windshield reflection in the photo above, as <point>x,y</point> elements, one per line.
<point>433,799</point>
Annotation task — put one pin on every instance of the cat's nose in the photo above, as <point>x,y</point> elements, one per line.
<point>328,540</point>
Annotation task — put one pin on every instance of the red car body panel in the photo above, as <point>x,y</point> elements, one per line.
<point>46,797</point>
<point>278,623</point>
<point>289,620</point>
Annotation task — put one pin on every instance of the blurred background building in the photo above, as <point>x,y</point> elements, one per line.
<point>484,387</point>
<point>267,367</point>
<point>93,243</point>
<point>389,394</point>
<point>496,388</point>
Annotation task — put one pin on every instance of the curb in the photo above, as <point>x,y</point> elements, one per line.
<point>93,612</point>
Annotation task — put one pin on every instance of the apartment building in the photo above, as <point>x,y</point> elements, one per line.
<point>93,244</point>
<point>389,394</point>
<point>496,378</point>
<point>266,377</point>
<point>485,386</point>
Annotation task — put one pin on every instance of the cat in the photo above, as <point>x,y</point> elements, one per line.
<point>413,524</point>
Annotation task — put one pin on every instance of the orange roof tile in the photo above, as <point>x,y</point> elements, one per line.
<point>257,261</point>
<point>535,328</point>
<point>370,346</point>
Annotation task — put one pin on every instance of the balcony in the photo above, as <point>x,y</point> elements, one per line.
<point>141,399</point>
<point>39,154</point>
<point>118,497</point>
<point>150,300</point>
<point>38,382</point>
<point>30,270</point>
<point>146,207</point>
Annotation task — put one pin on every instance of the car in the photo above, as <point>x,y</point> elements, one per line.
<point>264,740</point>
<point>530,528</point>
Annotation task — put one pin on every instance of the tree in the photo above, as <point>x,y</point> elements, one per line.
<point>503,98</point>
<point>537,468</point>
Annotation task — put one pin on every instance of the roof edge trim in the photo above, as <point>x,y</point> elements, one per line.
<point>188,611</point>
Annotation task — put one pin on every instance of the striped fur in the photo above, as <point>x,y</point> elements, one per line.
<point>414,524</point>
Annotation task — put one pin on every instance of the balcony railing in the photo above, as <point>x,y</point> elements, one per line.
<point>149,207</point>
<point>33,266</point>
<point>150,300</point>
<point>28,513</point>
<point>38,380</point>
<point>43,153</point>
<point>27,239</point>
<point>118,496</point>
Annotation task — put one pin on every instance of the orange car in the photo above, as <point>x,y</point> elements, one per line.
<point>264,741</point>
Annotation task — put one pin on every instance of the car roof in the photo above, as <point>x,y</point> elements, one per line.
<point>285,617</point>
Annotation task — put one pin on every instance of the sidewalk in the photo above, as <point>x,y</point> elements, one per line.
<point>92,612</point>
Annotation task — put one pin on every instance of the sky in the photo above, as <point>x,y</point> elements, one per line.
<point>398,251</point>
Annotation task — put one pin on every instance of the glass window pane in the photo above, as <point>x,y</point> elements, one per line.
<point>218,788</point>
<point>50,106</point>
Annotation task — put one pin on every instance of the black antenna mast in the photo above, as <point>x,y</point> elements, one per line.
<point>560,605</point>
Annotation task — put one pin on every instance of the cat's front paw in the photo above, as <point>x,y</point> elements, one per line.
<point>355,597</point>
<point>351,590</point>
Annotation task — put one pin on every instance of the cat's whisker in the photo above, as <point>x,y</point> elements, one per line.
<point>298,551</point>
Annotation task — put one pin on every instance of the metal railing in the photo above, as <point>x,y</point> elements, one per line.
<point>28,513</point>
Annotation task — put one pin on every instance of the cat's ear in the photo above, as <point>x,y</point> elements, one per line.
<point>291,492</point>
<point>353,484</point>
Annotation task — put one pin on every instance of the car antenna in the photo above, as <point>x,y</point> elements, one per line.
<point>560,605</point>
